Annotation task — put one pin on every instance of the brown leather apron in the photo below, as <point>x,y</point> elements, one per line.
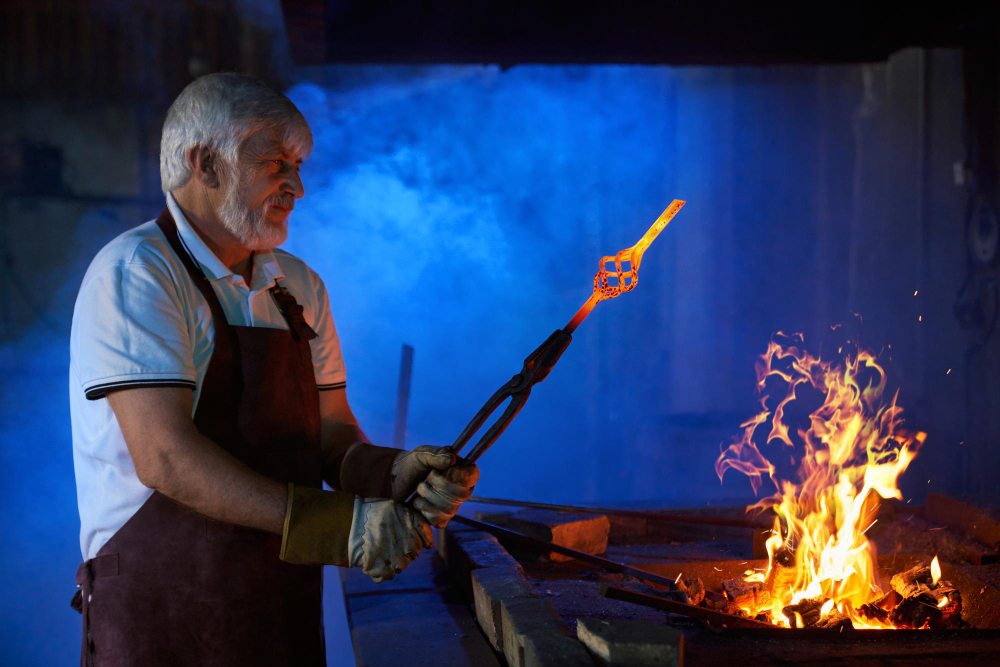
<point>173,587</point>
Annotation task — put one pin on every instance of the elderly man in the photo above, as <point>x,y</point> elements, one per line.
<point>208,402</point>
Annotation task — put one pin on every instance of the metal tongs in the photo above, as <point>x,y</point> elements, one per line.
<point>615,274</point>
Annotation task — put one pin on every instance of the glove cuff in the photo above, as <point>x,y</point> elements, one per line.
<point>317,526</point>
<point>356,542</point>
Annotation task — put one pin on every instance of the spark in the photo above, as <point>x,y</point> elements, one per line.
<point>915,292</point>
<point>869,526</point>
<point>949,372</point>
<point>677,580</point>
<point>920,318</point>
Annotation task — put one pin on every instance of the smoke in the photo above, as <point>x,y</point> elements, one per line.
<point>462,210</point>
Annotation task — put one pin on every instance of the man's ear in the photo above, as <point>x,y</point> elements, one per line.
<point>203,166</point>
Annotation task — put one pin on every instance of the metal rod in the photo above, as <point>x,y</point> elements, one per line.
<point>541,546</point>
<point>635,514</point>
<point>403,396</point>
<point>672,606</point>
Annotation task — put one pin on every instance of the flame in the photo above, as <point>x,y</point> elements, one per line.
<point>935,571</point>
<point>851,453</point>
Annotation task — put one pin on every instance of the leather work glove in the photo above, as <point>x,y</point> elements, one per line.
<point>386,536</point>
<point>317,526</point>
<point>441,480</point>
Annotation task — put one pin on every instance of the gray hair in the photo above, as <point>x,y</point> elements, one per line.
<point>220,111</point>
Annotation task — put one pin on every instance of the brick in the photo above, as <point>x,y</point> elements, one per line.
<point>490,587</point>
<point>449,533</point>
<point>634,643</point>
<point>486,553</point>
<point>583,532</point>
<point>548,649</point>
<point>474,551</point>
<point>449,547</point>
<point>523,616</point>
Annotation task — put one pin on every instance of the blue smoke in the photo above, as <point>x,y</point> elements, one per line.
<point>463,210</point>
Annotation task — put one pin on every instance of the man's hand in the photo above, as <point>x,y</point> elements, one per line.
<point>441,480</point>
<point>386,536</point>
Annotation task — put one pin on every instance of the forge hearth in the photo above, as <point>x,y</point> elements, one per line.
<point>528,610</point>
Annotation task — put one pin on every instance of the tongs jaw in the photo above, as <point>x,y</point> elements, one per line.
<point>536,368</point>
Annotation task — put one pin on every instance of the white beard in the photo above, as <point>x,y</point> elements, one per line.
<point>249,225</point>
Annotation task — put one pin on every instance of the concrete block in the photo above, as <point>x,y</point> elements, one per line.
<point>446,534</point>
<point>486,553</point>
<point>548,649</point>
<point>448,548</point>
<point>633,643</point>
<point>523,616</point>
<point>490,587</point>
<point>583,532</point>
<point>472,551</point>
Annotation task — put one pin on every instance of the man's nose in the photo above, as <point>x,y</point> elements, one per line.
<point>293,185</point>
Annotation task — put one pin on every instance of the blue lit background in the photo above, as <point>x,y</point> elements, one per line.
<point>462,210</point>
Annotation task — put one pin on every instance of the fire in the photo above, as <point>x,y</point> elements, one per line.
<point>851,453</point>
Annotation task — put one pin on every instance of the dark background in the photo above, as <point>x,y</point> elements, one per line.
<point>470,167</point>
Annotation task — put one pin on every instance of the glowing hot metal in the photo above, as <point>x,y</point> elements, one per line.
<point>626,268</point>
<point>608,283</point>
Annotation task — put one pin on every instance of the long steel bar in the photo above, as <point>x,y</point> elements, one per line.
<point>635,514</point>
<point>541,546</point>
<point>717,618</point>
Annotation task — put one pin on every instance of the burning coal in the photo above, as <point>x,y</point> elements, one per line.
<point>843,457</point>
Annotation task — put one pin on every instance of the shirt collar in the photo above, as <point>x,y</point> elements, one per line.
<point>266,269</point>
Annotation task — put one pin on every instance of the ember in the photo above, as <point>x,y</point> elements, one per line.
<point>821,568</point>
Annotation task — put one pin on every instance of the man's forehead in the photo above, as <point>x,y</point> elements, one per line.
<point>273,140</point>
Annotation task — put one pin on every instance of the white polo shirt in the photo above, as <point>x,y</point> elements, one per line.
<point>140,321</point>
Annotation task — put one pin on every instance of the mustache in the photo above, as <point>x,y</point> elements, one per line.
<point>284,201</point>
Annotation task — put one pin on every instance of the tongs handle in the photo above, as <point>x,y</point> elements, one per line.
<point>536,368</point>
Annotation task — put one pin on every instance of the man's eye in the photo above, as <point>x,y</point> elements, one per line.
<point>276,163</point>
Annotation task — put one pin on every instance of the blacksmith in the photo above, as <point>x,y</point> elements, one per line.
<point>208,401</point>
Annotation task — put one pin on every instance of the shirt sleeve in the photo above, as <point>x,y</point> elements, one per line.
<point>328,361</point>
<point>129,330</point>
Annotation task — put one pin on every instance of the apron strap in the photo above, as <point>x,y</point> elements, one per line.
<point>223,334</point>
<point>292,312</point>
<point>287,305</point>
<point>95,568</point>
